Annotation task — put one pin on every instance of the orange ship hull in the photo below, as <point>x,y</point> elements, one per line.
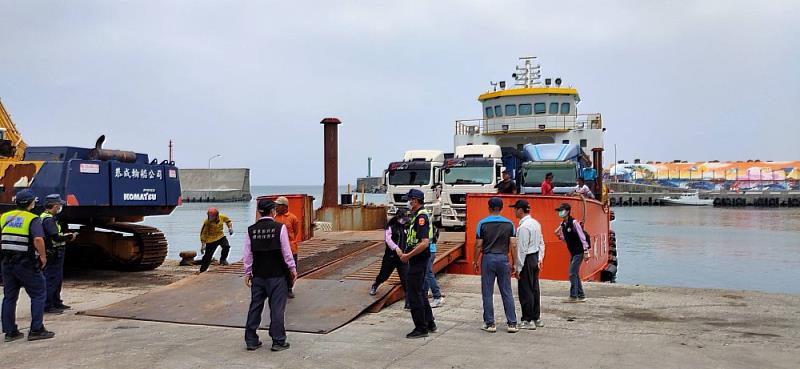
<point>596,220</point>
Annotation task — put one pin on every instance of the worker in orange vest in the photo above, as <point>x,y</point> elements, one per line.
<point>293,226</point>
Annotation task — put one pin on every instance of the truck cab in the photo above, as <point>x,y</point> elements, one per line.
<point>474,169</point>
<point>567,162</point>
<point>420,169</point>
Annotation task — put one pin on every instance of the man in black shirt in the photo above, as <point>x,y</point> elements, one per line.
<point>507,185</point>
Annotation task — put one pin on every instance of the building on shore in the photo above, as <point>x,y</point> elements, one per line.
<point>751,175</point>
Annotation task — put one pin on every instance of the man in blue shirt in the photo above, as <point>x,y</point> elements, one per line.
<point>494,239</point>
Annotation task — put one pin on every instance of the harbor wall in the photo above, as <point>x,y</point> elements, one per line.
<point>215,185</point>
<point>766,199</point>
<point>370,185</point>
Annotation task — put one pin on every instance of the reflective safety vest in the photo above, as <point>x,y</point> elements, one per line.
<point>16,235</point>
<point>46,215</point>
<point>411,240</point>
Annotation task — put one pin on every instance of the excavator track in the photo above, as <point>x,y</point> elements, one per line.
<point>152,244</point>
<point>149,252</point>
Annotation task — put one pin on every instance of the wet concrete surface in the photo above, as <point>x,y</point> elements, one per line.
<point>621,326</point>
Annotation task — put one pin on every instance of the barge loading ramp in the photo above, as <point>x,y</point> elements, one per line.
<point>336,271</point>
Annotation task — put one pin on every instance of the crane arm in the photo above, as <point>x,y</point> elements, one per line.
<point>11,134</point>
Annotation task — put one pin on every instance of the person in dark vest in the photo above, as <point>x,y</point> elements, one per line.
<point>268,270</point>
<point>395,238</point>
<point>54,245</point>
<point>416,255</point>
<point>571,232</point>
<point>23,258</point>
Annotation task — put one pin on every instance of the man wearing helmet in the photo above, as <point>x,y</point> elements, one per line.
<point>212,235</point>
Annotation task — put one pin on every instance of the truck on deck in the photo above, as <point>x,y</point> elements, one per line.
<point>567,162</point>
<point>420,169</point>
<point>473,169</point>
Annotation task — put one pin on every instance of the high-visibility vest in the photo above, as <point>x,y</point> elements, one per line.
<point>411,240</point>
<point>46,215</point>
<point>16,234</point>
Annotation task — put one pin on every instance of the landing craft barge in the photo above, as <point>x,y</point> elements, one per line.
<point>536,124</point>
<point>527,130</point>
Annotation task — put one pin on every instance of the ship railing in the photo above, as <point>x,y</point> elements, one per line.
<point>540,123</point>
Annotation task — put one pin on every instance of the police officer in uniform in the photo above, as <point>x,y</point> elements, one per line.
<point>54,244</point>
<point>417,254</point>
<point>269,269</point>
<point>23,258</point>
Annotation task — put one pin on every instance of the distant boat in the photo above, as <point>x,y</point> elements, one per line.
<point>687,200</point>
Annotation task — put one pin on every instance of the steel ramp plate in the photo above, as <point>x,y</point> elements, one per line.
<point>337,272</point>
<point>320,305</point>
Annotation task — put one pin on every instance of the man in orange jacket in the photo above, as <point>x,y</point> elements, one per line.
<point>293,226</point>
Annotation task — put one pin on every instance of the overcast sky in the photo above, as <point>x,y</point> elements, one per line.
<point>691,80</point>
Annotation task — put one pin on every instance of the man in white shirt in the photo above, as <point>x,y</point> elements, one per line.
<point>582,189</point>
<point>530,254</point>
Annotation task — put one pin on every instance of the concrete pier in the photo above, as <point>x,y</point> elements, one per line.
<point>370,185</point>
<point>766,199</point>
<point>621,326</point>
<point>215,185</point>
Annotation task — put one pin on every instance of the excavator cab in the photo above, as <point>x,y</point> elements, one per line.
<point>7,148</point>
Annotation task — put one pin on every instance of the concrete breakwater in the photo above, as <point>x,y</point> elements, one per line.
<point>215,185</point>
<point>766,199</point>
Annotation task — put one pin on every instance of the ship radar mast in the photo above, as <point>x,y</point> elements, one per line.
<point>528,73</point>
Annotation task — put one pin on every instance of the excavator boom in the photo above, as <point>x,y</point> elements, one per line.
<point>12,147</point>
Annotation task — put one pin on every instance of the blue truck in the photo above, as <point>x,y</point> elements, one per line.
<point>567,162</point>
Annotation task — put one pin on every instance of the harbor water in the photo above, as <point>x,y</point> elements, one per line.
<point>749,249</point>
<point>182,227</point>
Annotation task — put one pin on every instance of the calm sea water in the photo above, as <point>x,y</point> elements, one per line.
<point>749,249</point>
<point>674,246</point>
<point>182,227</point>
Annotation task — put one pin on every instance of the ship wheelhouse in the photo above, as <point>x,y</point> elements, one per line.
<point>532,111</point>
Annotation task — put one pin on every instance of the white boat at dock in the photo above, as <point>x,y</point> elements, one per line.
<point>692,199</point>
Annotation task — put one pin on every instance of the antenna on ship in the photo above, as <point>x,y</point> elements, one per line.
<point>528,74</point>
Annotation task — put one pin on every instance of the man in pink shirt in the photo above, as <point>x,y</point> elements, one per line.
<point>268,270</point>
<point>547,185</point>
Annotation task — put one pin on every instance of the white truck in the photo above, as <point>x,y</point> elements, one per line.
<point>474,169</point>
<point>420,169</point>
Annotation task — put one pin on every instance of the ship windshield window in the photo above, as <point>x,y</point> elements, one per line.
<point>489,112</point>
<point>525,109</point>
<point>563,176</point>
<point>553,108</point>
<point>511,110</point>
<point>539,108</point>
<point>565,108</point>
<point>498,110</point>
